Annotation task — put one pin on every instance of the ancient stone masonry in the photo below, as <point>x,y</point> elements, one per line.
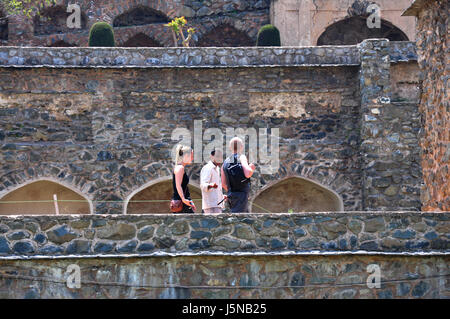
<point>181,57</point>
<point>235,256</point>
<point>228,277</point>
<point>391,160</point>
<point>296,233</point>
<point>433,49</point>
<point>132,19</point>
<point>102,126</point>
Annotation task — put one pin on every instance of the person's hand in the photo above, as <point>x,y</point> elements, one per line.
<point>190,203</point>
<point>252,166</point>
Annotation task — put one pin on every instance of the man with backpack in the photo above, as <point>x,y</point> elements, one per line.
<point>236,173</point>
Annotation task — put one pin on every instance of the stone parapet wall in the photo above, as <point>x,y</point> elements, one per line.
<point>228,277</point>
<point>289,234</point>
<point>178,57</point>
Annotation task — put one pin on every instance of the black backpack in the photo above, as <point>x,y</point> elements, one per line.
<point>236,177</point>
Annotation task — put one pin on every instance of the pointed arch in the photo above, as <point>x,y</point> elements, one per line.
<point>354,30</point>
<point>141,40</point>
<point>42,189</point>
<point>225,35</point>
<point>139,15</point>
<point>297,193</point>
<point>159,189</point>
<point>53,19</point>
<point>3,26</point>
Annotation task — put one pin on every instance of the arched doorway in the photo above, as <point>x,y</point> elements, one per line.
<point>139,15</point>
<point>225,35</point>
<point>298,195</point>
<point>61,44</point>
<point>354,30</point>
<point>28,200</point>
<point>141,40</point>
<point>3,26</point>
<point>54,20</point>
<point>161,192</point>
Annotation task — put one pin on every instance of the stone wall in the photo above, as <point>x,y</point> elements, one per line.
<point>107,131</point>
<point>205,16</point>
<point>390,125</point>
<point>180,57</point>
<point>302,22</point>
<point>102,126</point>
<point>314,255</point>
<point>433,49</point>
<point>292,233</point>
<point>228,277</point>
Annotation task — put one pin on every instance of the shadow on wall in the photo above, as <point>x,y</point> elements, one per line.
<point>3,26</point>
<point>43,190</point>
<point>54,20</point>
<point>141,40</point>
<point>160,193</point>
<point>225,35</point>
<point>296,194</point>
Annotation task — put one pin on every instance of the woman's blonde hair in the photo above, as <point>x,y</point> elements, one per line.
<point>180,151</point>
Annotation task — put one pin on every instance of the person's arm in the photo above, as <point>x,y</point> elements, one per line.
<point>205,177</point>
<point>248,169</point>
<point>224,179</point>
<point>179,172</point>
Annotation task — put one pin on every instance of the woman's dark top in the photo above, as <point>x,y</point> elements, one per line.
<point>184,187</point>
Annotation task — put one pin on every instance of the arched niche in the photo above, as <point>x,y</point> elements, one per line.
<point>139,15</point>
<point>141,40</point>
<point>296,194</point>
<point>3,26</point>
<point>43,190</point>
<point>54,20</point>
<point>225,35</point>
<point>61,44</point>
<point>160,190</point>
<point>354,30</point>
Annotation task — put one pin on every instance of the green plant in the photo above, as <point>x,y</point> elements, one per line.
<point>101,35</point>
<point>177,26</point>
<point>268,36</point>
<point>24,7</point>
<point>290,211</point>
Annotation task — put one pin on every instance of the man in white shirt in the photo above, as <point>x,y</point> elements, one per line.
<point>211,184</point>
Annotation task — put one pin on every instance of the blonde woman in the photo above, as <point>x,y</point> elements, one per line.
<point>184,156</point>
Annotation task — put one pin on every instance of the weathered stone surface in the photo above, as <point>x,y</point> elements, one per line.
<point>244,232</point>
<point>228,243</point>
<point>117,232</point>
<point>79,246</point>
<point>146,233</point>
<point>433,58</point>
<point>61,235</point>
<point>374,224</point>
<point>330,232</point>
<point>179,228</point>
